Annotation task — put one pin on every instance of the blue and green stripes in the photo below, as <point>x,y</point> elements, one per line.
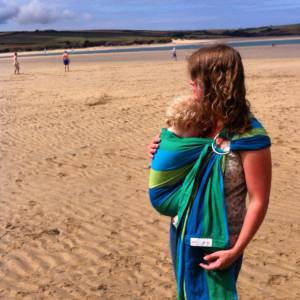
<point>186,180</point>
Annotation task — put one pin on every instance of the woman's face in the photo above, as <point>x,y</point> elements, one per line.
<point>197,89</point>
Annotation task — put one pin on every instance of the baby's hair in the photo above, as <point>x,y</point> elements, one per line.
<point>183,113</point>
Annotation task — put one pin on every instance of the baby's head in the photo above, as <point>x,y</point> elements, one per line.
<point>183,113</point>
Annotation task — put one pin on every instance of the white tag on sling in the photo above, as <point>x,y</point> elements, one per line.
<point>198,242</point>
<point>175,221</point>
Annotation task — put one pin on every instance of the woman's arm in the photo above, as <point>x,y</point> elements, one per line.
<point>258,168</point>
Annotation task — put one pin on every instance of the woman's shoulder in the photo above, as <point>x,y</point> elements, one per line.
<point>254,138</point>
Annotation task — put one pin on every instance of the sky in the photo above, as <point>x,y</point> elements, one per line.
<point>22,15</point>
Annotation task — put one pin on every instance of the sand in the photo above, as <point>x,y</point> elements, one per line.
<point>75,219</point>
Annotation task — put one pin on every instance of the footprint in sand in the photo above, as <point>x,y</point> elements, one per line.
<point>62,174</point>
<point>94,101</point>
<point>32,203</point>
<point>277,279</point>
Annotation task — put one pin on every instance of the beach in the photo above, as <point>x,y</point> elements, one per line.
<point>75,218</point>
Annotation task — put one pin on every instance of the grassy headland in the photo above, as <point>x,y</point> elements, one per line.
<point>52,39</point>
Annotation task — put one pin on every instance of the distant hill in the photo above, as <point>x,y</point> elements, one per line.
<point>52,39</point>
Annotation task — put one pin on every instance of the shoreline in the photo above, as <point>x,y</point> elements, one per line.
<point>175,42</point>
<point>285,52</point>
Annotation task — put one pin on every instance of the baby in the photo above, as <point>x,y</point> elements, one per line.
<point>183,117</point>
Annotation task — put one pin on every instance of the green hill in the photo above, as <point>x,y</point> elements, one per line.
<point>52,39</point>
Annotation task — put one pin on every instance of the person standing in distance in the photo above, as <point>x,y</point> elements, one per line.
<point>174,54</point>
<point>66,61</point>
<point>16,63</point>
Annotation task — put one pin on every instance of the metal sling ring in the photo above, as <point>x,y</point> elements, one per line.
<point>214,148</point>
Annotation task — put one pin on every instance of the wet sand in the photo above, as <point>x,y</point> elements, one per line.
<point>75,219</point>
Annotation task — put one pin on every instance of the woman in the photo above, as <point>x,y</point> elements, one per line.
<point>217,80</point>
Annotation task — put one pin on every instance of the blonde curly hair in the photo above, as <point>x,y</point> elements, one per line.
<point>183,113</point>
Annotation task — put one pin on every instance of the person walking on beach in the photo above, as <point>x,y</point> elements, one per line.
<point>16,63</point>
<point>212,154</point>
<point>174,54</point>
<point>66,61</point>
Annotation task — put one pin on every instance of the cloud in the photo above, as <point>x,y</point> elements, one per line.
<point>33,12</point>
<point>38,12</point>
<point>87,17</point>
<point>67,14</point>
<point>7,11</point>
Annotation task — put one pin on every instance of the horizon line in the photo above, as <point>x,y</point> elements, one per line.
<point>166,30</point>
